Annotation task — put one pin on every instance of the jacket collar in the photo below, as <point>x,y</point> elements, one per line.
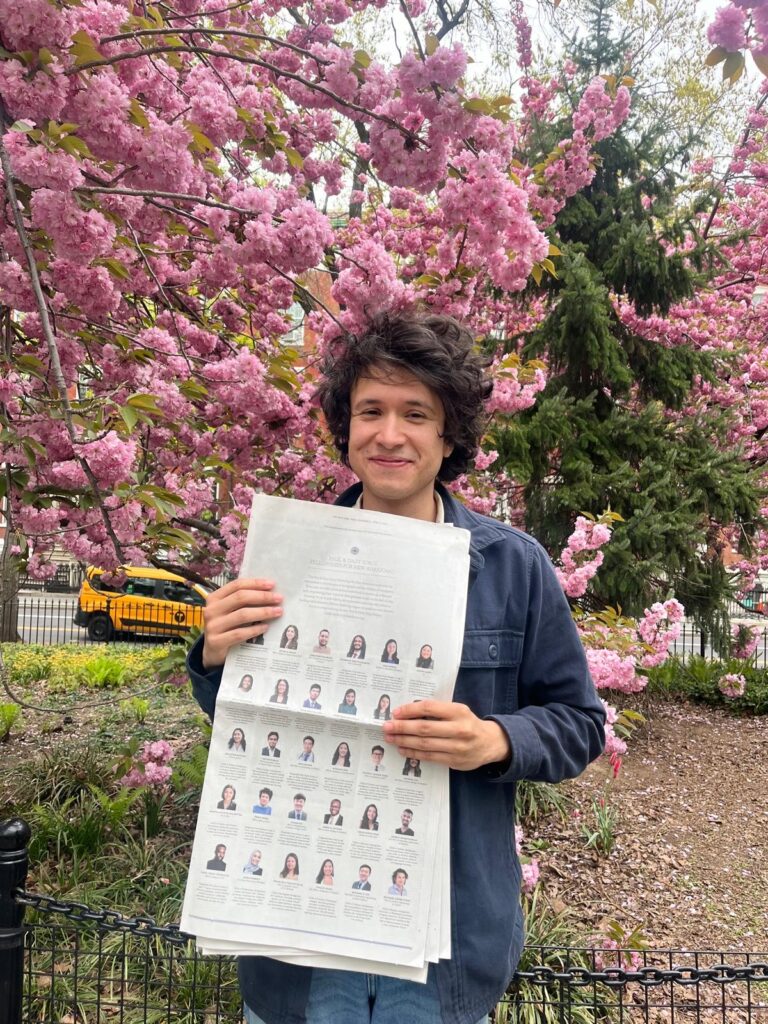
<point>483,531</point>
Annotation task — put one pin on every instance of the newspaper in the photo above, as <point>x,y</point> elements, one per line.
<point>316,843</point>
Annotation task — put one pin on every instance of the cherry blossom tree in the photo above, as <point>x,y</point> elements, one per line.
<point>178,182</point>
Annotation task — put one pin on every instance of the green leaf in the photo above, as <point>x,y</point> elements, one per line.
<point>83,49</point>
<point>478,106</point>
<point>362,58</point>
<point>130,416</point>
<point>137,115</point>
<point>200,141</point>
<point>295,159</point>
<point>115,267</point>
<point>432,43</point>
<point>537,273</point>
<point>733,68</point>
<point>716,56</point>
<point>144,401</point>
<point>761,62</point>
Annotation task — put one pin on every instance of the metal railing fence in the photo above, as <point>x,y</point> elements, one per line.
<point>72,964</point>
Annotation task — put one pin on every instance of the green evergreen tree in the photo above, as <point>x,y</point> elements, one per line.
<point>607,431</point>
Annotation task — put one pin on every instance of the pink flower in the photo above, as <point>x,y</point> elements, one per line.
<point>732,684</point>
<point>728,28</point>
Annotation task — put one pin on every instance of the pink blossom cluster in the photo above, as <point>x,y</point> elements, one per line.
<point>624,959</point>
<point>578,565</point>
<point>659,627</point>
<point>744,640</point>
<point>529,866</point>
<point>739,25</point>
<point>732,684</point>
<point>150,767</point>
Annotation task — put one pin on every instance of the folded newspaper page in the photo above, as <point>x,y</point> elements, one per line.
<point>316,842</point>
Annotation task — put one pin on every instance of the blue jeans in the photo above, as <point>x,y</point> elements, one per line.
<point>346,997</point>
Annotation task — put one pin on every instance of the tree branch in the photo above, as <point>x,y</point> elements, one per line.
<point>50,340</point>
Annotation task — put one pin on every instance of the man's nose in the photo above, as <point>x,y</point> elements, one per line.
<point>390,430</point>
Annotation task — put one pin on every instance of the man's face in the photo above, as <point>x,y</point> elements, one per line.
<point>406,818</point>
<point>272,740</point>
<point>298,803</point>
<point>323,637</point>
<point>364,873</point>
<point>377,756</point>
<point>335,806</point>
<point>263,799</point>
<point>395,442</point>
<point>314,692</point>
<point>308,744</point>
<point>220,851</point>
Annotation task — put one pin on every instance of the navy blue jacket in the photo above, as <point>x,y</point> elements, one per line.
<point>523,666</point>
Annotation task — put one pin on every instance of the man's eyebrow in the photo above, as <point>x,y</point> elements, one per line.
<point>414,403</point>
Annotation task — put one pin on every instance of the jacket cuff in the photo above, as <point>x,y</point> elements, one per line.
<point>205,682</point>
<point>524,746</point>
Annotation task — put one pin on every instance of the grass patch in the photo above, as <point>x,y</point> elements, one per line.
<point>697,679</point>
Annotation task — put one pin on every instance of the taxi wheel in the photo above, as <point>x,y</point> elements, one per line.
<point>100,627</point>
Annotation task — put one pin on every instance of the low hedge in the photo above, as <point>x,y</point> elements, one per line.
<point>698,678</point>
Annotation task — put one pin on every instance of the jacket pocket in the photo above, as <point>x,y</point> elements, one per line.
<point>487,680</point>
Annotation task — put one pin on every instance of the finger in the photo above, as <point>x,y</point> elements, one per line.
<point>243,599</point>
<point>417,727</point>
<point>243,583</point>
<point>428,709</point>
<point>436,756</point>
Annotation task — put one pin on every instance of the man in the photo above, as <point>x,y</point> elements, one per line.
<point>271,749</point>
<point>363,874</point>
<point>377,756</point>
<point>321,647</point>
<point>334,816</point>
<point>307,750</point>
<point>405,402</point>
<point>399,878</point>
<point>262,807</point>
<point>298,813</point>
<point>405,823</point>
<point>311,701</point>
<point>217,861</point>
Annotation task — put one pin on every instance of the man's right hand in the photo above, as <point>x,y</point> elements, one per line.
<point>235,613</point>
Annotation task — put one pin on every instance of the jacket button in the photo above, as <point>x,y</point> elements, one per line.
<point>493,650</point>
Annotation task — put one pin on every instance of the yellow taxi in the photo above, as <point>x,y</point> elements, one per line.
<point>149,602</point>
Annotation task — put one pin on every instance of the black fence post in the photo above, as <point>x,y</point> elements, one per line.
<point>14,838</point>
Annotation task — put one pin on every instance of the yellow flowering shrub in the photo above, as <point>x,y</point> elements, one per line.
<point>71,666</point>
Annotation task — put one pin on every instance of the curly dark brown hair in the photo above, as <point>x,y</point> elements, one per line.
<point>439,352</point>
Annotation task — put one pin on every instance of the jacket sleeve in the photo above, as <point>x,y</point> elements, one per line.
<point>205,682</point>
<point>559,725</point>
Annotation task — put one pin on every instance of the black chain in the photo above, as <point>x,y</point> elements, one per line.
<point>574,977</point>
<point>648,977</point>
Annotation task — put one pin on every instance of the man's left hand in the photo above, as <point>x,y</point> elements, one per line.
<point>448,733</point>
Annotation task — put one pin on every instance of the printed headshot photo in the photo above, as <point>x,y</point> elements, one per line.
<point>370,819</point>
<point>389,654</point>
<point>271,749</point>
<point>246,683</point>
<point>236,742</point>
<point>263,806</point>
<point>406,817</point>
<point>312,702</point>
<point>381,711</point>
<point>258,640</point>
<point>348,706</point>
<point>412,767</point>
<point>341,756</point>
<point>377,757</point>
<point>307,755</point>
<point>289,639</point>
<point>280,695</point>
<point>253,864</point>
<point>323,643</point>
<point>334,815</point>
<point>298,813</point>
<point>424,659</point>
<point>357,648</point>
<point>325,874</point>
<point>290,867</point>
<point>217,863</point>
<point>363,874</point>
<point>227,802</point>
<point>399,878</point>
